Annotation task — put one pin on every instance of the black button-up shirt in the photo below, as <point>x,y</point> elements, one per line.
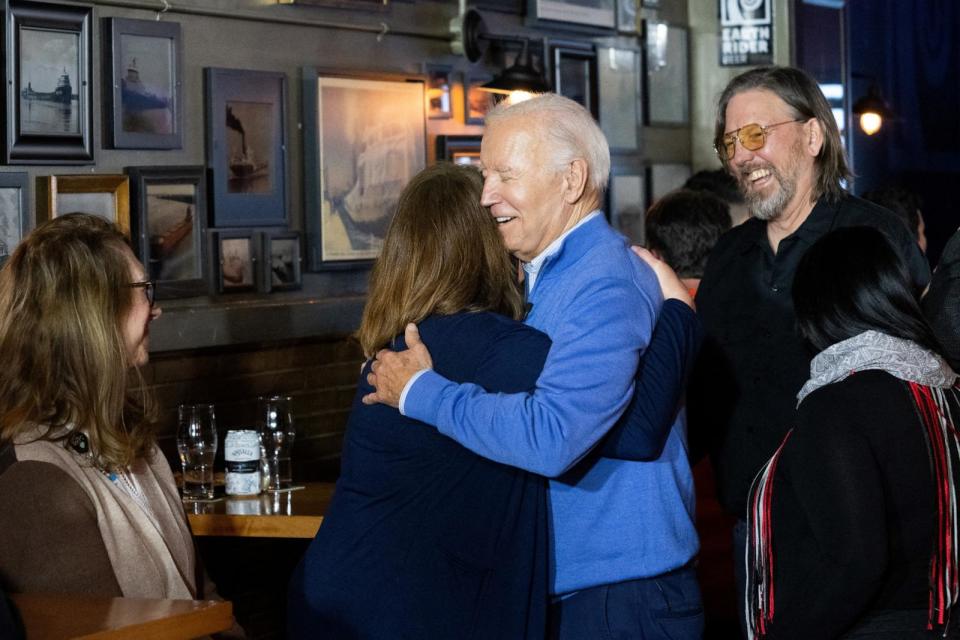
<point>742,393</point>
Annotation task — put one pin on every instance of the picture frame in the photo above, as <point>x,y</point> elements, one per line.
<point>282,261</point>
<point>142,92</point>
<point>15,219</point>
<point>169,223</point>
<point>579,15</point>
<point>363,5</point>
<point>476,101</point>
<point>627,203</point>
<point>439,95</point>
<point>463,150</point>
<point>105,195</point>
<point>619,88</point>
<point>364,138</point>
<point>246,117</point>
<point>627,13</point>
<point>236,260</point>
<point>47,76</point>
<point>666,75</point>
<point>574,66</point>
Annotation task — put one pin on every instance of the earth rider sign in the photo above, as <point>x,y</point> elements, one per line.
<point>746,32</point>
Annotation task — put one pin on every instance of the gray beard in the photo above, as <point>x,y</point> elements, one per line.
<point>769,208</point>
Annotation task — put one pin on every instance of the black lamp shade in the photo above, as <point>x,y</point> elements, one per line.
<point>518,77</point>
<point>872,103</point>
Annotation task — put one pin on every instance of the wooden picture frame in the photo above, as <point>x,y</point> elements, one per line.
<point>105,195</point>
<point>47,76</point>
<point>439,92</point>
<point>463,150</point>
<point>169,227</point>
<point>596,16</point>
<point>666,86</point>
<point>282,261</point>
<point>236,258</point>
<point>574,66</point>
<point>364,139</point>
<point>246,117</point>
<point>15,219</point>
<point>142,91</point>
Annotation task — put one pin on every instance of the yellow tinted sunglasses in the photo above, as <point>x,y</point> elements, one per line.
<point>751,136</point>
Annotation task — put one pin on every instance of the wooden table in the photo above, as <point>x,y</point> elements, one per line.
<point>285,514</point>
<point>60,616</point>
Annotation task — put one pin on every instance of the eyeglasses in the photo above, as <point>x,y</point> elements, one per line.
<point>149,288</point>
<point>752,136</point>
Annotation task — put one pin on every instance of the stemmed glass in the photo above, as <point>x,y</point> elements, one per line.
<point>276,441</point>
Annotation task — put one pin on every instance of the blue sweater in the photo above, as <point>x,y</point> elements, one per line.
<point>611,520</point>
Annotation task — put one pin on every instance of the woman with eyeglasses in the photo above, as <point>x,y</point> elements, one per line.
<point>853,521</point>
<point>88,503</point>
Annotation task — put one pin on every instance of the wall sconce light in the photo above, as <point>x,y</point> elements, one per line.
<point>519,80</point>
<point>872,110</point>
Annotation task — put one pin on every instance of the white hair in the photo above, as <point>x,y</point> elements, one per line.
<point>571,131</point>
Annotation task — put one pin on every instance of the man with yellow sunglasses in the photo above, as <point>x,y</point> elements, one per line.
<point>775,133</point>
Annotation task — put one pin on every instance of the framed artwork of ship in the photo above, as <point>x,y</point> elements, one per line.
<point>364,138</point>
<point>15,218</point>
<point>104,195</point>
<point>48,99</point>
<point>168,227</point>
<point>142,94</point>
<point>246,146</point>
<point>236,260</point>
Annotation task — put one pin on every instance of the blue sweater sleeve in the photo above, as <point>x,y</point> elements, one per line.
<point>586,383</point>
<point>643,429</point>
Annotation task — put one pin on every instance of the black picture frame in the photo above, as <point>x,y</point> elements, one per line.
<point>666,75</point>
<point>439,92</point>
<point>574,66</point>
<point>464,150</point>
<point>476,102</point>
<point>47,44</point>
<point>236,260</point>
<point>142,100</point>
<point>168,227</point>
<point>620,91</point>
<point>15,219</point>
<point>282,261</point>
<point>573,15</point>
<point>365,137</point>
<point>248,174</point>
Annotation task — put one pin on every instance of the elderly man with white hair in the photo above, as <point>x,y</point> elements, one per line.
<point>622,534</point>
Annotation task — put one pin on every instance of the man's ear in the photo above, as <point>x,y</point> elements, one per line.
<point>575,181</point>
<point>813,132</point>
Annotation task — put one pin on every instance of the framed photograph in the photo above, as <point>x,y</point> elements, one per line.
<point>107,196</point>
<point>664,178</point>
<point>364,138</point>
<point>581,15</point>
<point>666,76</point>
<point>236,260</point>
<point>439,105</point>
<point>627,16</point>
<point>246,146</point>
<point>575,73</point>
<point>618,73</point>
<point>49,106</point>
<point>169,221</point>
<point>459,149</point>
<point>627,204</point>
<point>281,261</point>
<point>506,6</point>
<point>364,5</point>
<point>476,101</point>
<point>15,220</point>
<point>142,93</point>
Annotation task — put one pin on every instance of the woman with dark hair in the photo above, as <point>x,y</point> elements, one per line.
<point>853,521</point>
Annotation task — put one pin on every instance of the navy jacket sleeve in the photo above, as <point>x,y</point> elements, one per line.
<point>643,429</point>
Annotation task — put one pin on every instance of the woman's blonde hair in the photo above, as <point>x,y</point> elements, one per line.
<point>64,297</point>
<point>442,254</point>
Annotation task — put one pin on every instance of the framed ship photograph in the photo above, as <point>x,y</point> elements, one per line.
<point>281,261</point>
<point>246,146</point>
<point>15,219</point>
<point>47,68</point>
<point>236,260</point>
<point>364,138</point>
<point>107,196</point>
<point>168,224</point>
<point>142,92</point>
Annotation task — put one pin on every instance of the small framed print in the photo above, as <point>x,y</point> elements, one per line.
<point>15,221</point>
<point>578,15</point>
<point>666,75</point>
<point>246,146</point>
<point>281,261</point>
<point>47,73</point>
<point>107,196</point>
<point>142,95</point>
<point>459,149</point>
<point>627,16</point>
<point>575,73</point>
<point>169,225</point>
<point>618,73</point>
<point>476,101</point>
<point>439,105</point>
<point>236,260</point>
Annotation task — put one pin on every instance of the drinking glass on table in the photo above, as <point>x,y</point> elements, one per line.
<point>276,440</point>
<point>197,444</point>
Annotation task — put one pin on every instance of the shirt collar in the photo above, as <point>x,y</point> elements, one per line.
<point>532,268</point>
<point>820,220</point>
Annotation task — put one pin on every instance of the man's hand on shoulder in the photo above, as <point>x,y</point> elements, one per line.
<point>391,370</point>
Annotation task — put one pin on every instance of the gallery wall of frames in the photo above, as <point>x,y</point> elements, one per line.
<point>249,149</point>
